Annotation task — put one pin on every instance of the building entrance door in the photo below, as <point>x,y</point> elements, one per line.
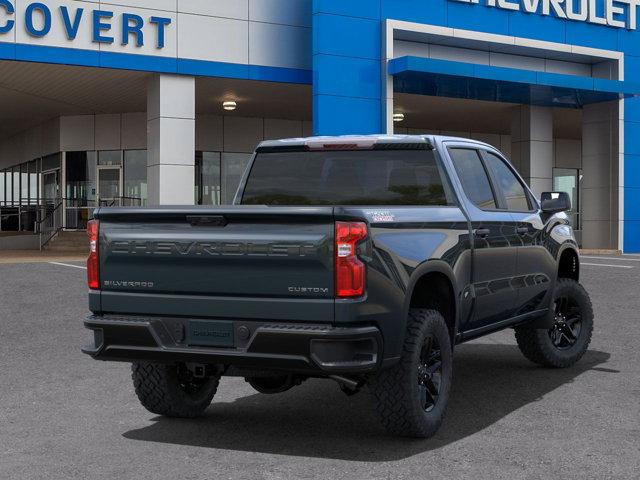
<point>568,180</point>
<point>51,186</point>
<point>109,186</point>
<point>50,211</point>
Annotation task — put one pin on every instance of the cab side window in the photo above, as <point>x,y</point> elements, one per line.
<point>514,193</point>
<point>473,177</point>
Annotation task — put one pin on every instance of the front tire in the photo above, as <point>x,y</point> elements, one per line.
<point>171,390</point>
<point>411,396</point>
<point>567,341</point>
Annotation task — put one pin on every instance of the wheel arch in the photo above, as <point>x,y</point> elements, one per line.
<point>569,263</point>
<point>430,282</point>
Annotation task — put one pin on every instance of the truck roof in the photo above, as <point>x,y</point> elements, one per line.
<point>362,141</point>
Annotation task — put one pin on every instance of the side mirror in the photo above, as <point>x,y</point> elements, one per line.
<point>555,202</point>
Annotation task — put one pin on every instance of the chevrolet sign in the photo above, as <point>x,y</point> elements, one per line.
<point>613,13</point>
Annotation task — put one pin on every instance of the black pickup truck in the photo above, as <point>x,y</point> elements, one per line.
<point>364,260</point>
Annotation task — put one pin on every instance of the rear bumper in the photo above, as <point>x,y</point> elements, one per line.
<point>294,347</point>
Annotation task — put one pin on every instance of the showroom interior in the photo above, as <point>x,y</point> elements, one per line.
<point>85,143</point>
<point>93,159</point>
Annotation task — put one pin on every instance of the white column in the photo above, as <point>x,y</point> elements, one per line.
<point>532,146</point>
<point>600,176</point>
<point>387,94</point>
<point>171,135</point>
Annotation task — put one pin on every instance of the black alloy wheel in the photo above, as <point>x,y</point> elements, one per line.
<point>568,339</point>
<point>568,323</point>
<point>430,373</point>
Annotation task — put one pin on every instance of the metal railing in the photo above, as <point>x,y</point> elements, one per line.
<point>46,217</point>
<point>78,211</point>
<point>122,202</point>
<point>23,213</point>
<point>49,222</point>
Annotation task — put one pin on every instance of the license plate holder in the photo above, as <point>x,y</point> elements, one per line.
<point>210,333</point>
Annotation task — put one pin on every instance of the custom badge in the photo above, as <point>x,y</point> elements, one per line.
<point>381,216</point>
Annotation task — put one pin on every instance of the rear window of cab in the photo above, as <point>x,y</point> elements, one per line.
<point>353,177</point>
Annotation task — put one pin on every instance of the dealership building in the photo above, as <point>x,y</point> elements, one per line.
<point>155,102</point>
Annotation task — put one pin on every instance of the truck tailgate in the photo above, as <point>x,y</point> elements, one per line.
<point>244,262</point>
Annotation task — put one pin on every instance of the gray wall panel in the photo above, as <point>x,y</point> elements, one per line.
<point>279,45</point>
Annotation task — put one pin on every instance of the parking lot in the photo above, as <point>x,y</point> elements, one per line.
<point>65,416</point>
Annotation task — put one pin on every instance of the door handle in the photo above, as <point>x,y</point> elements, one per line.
<point>522,230</point>
<point>481,232</point>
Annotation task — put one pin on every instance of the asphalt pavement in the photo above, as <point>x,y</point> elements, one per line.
<point>65,416</point>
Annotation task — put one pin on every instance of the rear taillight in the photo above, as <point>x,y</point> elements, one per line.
<point>350,271</point>
<point>93,270</point>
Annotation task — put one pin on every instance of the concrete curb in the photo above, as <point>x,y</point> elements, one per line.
<point>597,251</point>
<point>30,256</point>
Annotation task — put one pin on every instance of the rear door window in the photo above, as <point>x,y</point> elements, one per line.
<point>473,177</point>
<point>357,177</point>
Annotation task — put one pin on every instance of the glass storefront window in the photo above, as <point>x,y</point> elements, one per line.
<point>80,188</point>
<point>16,186</point>
<point>80,178</point>
<point>233,166</point>
<point>8,186</point>
<point>568,180</point>
<point>24,183</point>
<point>33,181</point>
<point>51,162</point>
<point>135,177</point>
<point>50,186</point>
<point>110,157</point>
<point>109,186</point>
<point>207,185</point>
<point>50,178</point>
<point>2,180</point>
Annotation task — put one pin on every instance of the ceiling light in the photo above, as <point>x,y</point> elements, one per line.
<point>398,117</point>
<point>229,106</point>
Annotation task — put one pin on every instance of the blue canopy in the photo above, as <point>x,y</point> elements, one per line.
<point>446,78</point>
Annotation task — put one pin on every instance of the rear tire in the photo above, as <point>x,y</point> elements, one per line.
<point>567,341</point>
<point>171,391</point>
<point>411,396</point>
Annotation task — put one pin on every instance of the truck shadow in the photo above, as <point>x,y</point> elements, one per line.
<point>317,420</point>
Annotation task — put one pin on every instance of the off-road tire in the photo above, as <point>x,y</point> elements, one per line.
<point>161,391</point>
<point>396,390</point>
<point>536,344</point>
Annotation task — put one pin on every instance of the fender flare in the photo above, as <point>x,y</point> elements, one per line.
<point>567,245</point>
